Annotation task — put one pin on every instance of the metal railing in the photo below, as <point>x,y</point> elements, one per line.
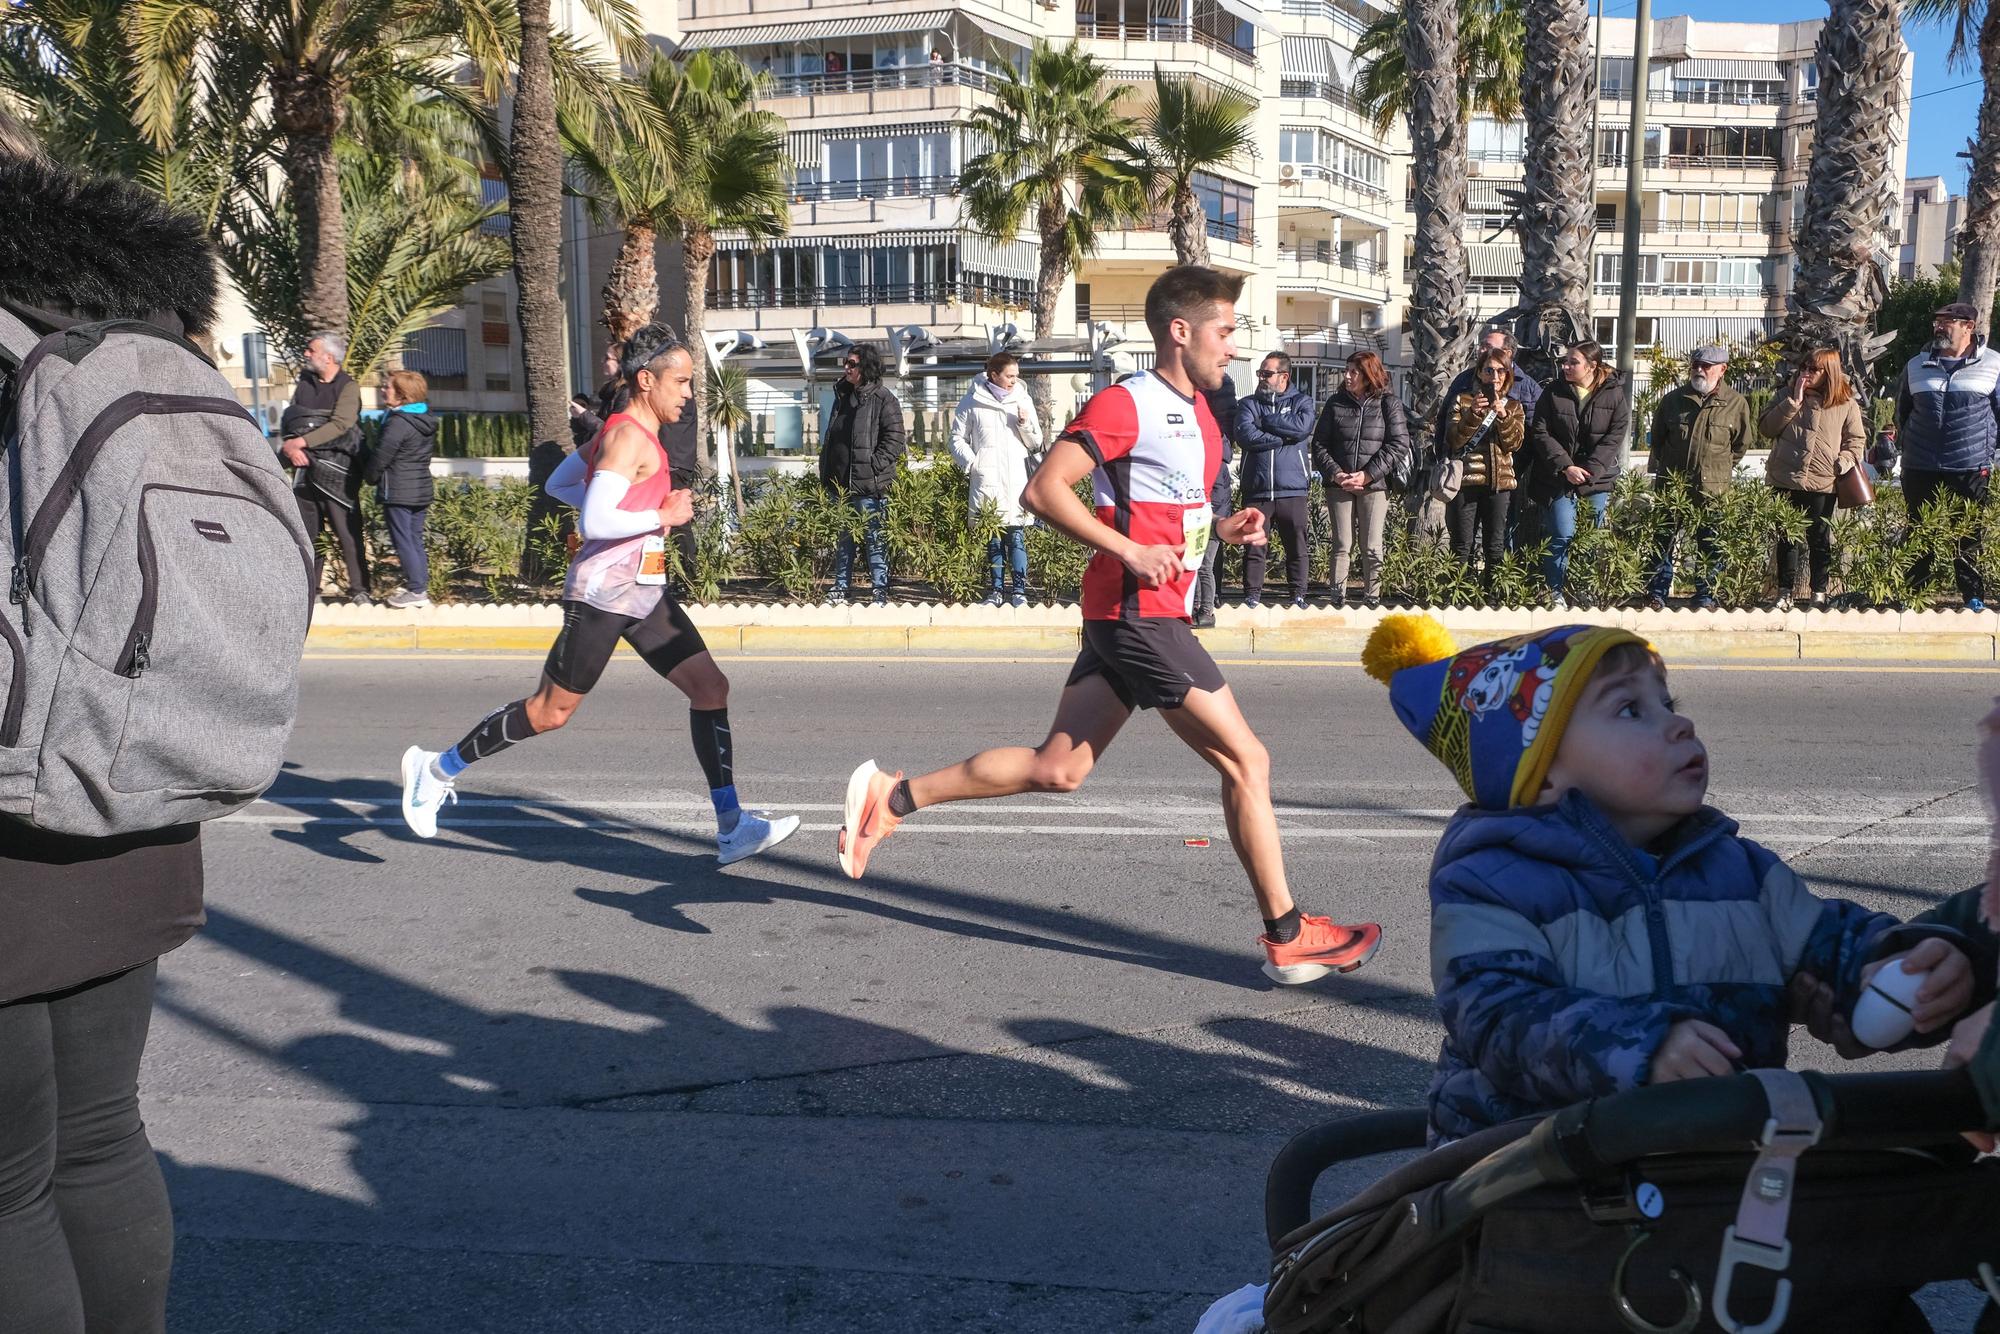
<point>1319,91</point>
<point>1720,162</point>
<point>1691,289</point>
<point>1319,343</point>
<point>1163,32</point>
<point>1320,9</point>
<point>1326,252</point>
<point>883,187</point>
<point>865,294</point>
<point>1315,171</point>
<point>869,80</point>
<point>1497,155</point>
<point>1697,97</point>
<point>1110,312</point>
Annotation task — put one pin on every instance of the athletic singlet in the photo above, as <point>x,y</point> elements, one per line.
<point>605,573</point>
<point>1157,452</point>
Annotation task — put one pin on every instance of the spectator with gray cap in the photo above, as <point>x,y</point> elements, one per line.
<point>1947,421</point>
<point>1700,432</point>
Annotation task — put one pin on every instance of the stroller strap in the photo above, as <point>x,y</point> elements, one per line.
<point>1758,1235</point>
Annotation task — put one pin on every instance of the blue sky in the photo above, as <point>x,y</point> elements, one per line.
<point>1940,121</point>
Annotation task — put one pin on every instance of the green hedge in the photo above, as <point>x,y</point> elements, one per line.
<point>785,542</point>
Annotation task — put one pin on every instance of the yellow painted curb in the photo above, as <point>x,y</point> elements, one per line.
<point>826,639</point>
<point>536,637</point>
<point>362,636</point>
<point>1225,640</point>
<point>1762,644</point>
<point>1323,641</point>
<point>994,639</point>
<point>1899,647</point>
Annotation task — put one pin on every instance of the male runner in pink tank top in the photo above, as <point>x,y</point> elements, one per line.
<point>616,589</point>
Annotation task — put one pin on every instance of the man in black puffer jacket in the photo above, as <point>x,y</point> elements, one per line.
<point>1274,429</point>
<point>858,450</point>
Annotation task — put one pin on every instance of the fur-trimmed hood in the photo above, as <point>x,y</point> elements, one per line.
<point>93,247</point>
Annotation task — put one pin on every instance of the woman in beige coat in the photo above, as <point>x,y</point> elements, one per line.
<point>1818,434</point>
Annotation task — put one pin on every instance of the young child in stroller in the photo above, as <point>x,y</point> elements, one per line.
<point>1594,925</point>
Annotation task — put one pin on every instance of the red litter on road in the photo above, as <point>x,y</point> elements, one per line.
<point>1194,842</point>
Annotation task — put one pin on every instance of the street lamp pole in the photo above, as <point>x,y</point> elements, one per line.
<point>1635,166</point>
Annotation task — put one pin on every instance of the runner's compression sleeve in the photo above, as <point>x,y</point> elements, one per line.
<point>603,521</point>
<point>567,482</point>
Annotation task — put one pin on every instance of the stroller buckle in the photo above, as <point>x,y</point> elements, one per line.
<point>1743,1251</point>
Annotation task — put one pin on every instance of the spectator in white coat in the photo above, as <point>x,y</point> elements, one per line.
<point>994,436</point>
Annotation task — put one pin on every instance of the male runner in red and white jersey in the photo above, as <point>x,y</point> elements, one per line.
<point>1153,448</point>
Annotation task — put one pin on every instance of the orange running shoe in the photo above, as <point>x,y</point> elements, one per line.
<point>867,819</point>
<point>1322,946</point>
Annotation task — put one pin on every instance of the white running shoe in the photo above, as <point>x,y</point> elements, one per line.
<point>755,832</point>
<point>423,792</point>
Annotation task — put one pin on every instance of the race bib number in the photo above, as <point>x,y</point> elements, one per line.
<point>653,561</point>
<point>1197,526</point>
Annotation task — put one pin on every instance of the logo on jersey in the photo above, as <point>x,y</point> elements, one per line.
<point>1175,419</point>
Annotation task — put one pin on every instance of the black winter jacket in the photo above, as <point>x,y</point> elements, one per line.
<point>863,440</point>
<point>400,465</point>
<point>1275,435</point>
<point>1587,435</point>
<point>1361,435</point>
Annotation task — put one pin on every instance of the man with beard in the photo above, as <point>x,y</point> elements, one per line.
<point>1700,432</point>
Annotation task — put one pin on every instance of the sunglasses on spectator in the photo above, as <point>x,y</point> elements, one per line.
<point>850,365</point>
<point>1269,375</point>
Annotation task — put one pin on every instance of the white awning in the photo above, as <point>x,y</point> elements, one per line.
<point>784,33</point>
<point>999,31</point>
<point>998,259</point>
<point>1305,58</point>
<point>867,241</point>
<point>1343,65</point>
<point>1247,10</point>
<point>1765,71</point>
<point>1493,261</point>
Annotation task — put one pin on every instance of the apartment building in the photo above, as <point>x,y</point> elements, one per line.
<point>879,95</point>
<point>1728,144</point>
<point>1932,217</point>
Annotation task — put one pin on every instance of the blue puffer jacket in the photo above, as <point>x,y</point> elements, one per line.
<point>1275,436</point>
<point>1948,412</point>
<point>1562,955</point>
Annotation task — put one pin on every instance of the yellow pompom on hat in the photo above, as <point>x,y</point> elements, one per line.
<point>1494,713</point>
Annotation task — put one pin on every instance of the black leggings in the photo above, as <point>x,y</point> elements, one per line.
<point>314,509</point>
<point>1286,517</point>
<point>1817,506</point>
<point>86,1236</point>
<point>1477,512</point>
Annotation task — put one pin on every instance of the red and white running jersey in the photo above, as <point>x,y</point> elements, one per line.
<point>1156,453</point>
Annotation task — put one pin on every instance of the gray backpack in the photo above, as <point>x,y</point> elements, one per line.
<point>159,585</point>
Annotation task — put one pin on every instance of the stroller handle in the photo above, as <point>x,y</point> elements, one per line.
<point>1289,1187</point>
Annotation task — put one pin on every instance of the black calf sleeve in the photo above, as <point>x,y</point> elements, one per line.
<point>497,731</point>
<point>710,728</point>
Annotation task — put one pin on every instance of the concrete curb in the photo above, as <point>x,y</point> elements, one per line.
<point>1054,630</point>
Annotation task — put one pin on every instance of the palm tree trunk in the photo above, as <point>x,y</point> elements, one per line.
<point>1049,280</point>
<point>1979,239</point>
<point>1440,337</point>
<point>534,187</point>
<point>632,289</point>
<point>306,109</point>
<point>1558,213</point>
<point>1188,228</point>
<point>697,249</point>
<point>1850,194</point>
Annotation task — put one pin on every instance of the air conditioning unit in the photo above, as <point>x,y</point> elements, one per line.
<point>1288,172</point>
<point>1371,318</point>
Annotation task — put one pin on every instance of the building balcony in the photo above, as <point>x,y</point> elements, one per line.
<point>1158,32</point>
<point>1312,185</point>
<point>1324,269</point>
<point>1326,12</point>
<point>1318,345</point>
<point>939,91</point>
<point>1703,291</point>
<point>861,305</point>
<point>699,14</point>
<point>1232,246</point>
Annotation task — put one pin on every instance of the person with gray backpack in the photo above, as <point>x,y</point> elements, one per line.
<point>157,604</point>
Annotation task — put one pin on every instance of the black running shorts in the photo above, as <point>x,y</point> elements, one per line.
<point>665,639</point>
<point>1152,662</point>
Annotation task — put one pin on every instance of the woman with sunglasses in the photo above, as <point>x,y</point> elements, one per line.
<point>1486,432</point>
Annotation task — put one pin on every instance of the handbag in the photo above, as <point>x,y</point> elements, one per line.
<point>1449,478</point>
<point>1852,490</point>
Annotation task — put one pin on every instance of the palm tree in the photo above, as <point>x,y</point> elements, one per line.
<point>728,404</point>
<point>534,194</point>
<point>1979,238</point>
<point>1063,159</point>
<point>1491,38</point>
<point>725,172</point>
<point>1851,194</point>
<point>1186,130</point>
<point>1439,332</point>
<point>1558,199</point>
<point>415,242</point>
<point>312,58</point>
